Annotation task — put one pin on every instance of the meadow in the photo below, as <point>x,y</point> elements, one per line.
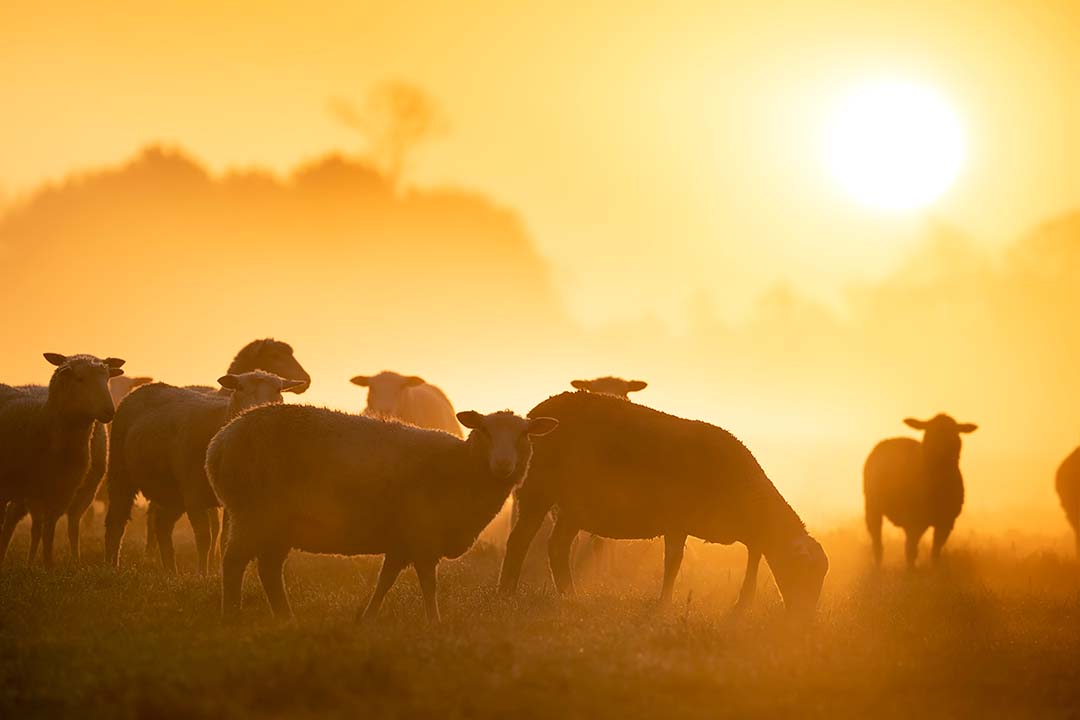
<point>993,631</point>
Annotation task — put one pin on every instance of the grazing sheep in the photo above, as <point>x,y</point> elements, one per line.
<point>917,485</point>
<point>268,355</point>
<point>610,386</point>
<point>158,447</point>
<point>293,476</point>
<point>622,470</point>
<point>1067,482</point>
<point>408,399</point>
<point>45,441</point>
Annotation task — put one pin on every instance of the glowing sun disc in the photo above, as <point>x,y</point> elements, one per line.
<point>894,146</point>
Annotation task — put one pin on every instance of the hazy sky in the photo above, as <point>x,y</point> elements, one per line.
<point>654,150</point>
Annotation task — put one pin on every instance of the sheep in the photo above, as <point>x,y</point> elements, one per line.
<point>158,447</point>
<point>1067,482</point>
<point>121,387</point>
<point>268,355</point>
<point>621,470</point>
<point>610,386</point>
<point>917,485</point>
<point>92,488</point>
<point>408,399</point>
<point>45,441</point>
<point>294,476</point>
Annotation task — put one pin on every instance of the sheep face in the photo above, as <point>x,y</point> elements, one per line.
<point>384,392</point>
<point>610,386</point>
<point>504,438</point>
<point>257,388</point>
<point>941,438</point>
<point>799,570</point>
<point>274,356</point>
<point>80,385</point>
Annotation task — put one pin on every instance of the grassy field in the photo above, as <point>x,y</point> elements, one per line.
<point>995,633</point>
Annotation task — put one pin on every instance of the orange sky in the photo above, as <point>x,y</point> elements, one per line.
<point>681,137</point>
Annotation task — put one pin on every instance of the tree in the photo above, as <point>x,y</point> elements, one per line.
<point>394,120</point>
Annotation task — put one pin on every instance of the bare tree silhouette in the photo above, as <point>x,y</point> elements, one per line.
<point>394,120</point>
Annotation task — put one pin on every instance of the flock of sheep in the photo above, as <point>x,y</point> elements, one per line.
<point>403,481</point>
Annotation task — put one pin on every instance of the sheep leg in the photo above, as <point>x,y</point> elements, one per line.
<point>911,545</point>
<point>941,535</point>
<point>235,557</point>
<point>562,538</point>
<point>271,565</point>
<point>48,534</point>
<point>35,537</point>
<point>426,573</point>
<point>873,524</point>
<point>116,519</point>
<point>749,584</point>
<point>13,513</point>
<point>200,526</point>
<point>674,547</point>
<point>164,522</point>
<point>73,534</point>
<point>525,528</point>
<point>215,534</point>
<point>391,568</point>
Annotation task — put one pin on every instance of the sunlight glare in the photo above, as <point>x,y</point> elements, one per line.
<point>894,146</point>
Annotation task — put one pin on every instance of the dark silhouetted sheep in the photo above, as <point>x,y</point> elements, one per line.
<point>1067,482</point>
<point>622,470</point>
<point>158,447</point>
<point>45,440</point>
<point>269,355</point>
<point>321,481</point>
<point>917,485</point>
<point>92,488</point>
<point>409,399</point>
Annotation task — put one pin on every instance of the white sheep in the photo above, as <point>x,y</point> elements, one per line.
<point>409,399</point>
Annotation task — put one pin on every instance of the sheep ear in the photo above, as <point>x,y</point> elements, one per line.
<point>470,419</point>
<point>580,384</point>
<point>230,382</point>
<point>542,426</point>
<point>917,424</point>
<point>635,385</point>
<point>114,362</point>
<point>967,427</point>
<point>56,358</point>
<point>361,380</point>
<point>115,372</point>
<point>291,385</point>
<point>140,381</point>
<point>413,381</point>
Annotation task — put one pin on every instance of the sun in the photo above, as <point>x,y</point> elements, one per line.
<point>894,146</point>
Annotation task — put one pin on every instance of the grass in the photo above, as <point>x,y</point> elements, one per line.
<point>995,632</point>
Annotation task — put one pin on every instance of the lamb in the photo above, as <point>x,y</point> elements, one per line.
<point>408,399</point>
<point>269,355</point>
<point>610,386</point>
<point>158,447</point>
<point>121,387</point>
<point>293,476</point>
<point>917,485</point>
<point>45,441</point>
<point>621,470</point>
